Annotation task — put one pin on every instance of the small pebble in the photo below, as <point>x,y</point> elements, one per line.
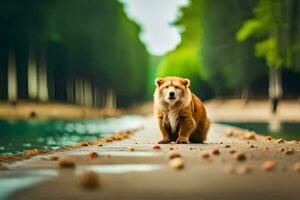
<point>250,136</point>
<point>229,133</point>
<point>289,151</point>
<point>279,141</point>
<point>84,144</point>
<point>109,139</point>
<point>92,154</point>
<point>267,138</point>
<point>205,155</point>
<point>216,151</point>
<point>176,163</point>
<point>54,158</point>
<point>268,165</point>
<point>131,149</point>
<point>266,149</point>
<point>281,149</point>
<point>89,180</point>
<point>228,169</point>
<point>293,142</point>
<point>239,156</point>
<point>296,166</point>
<point>66,163</point>
<point>173,154</point>
<point>156,147</point>
<point>241,170</point>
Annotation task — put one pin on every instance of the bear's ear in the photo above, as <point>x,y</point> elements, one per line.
<point>186,82</point>
<point>159,81</point>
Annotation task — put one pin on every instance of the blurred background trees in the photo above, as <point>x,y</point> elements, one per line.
<point>89,52</point>
<point>228,45</point>
<point>80,52</point>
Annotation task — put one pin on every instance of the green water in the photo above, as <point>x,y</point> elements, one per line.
<point>288,131</point>
<point>19,135</point>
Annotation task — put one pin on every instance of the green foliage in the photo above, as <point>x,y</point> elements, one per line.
<point>184,60</point>
<point>91,40</point>
<point>272,25</point>
<point>269,49</point>
<point>231,66</point>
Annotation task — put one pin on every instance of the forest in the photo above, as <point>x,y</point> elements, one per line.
<point>90,53</point>
<point>83,52</point>
<point>233,48</point>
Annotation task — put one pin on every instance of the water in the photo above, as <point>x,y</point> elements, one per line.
<point>119,168</point>
<point>286,130</point>
<point>19,135</point>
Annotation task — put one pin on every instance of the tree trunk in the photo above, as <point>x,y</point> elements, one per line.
<point>42,81</point>
<point>32,76</point>
<point>275,87</point>
<point>12,77</point>
<point>111,102</point>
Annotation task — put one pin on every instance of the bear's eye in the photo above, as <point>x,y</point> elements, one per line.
<point>167,86</point>
<point>176,87</point>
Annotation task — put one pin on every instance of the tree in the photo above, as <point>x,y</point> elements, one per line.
<point>184,60</point>
<point>277,43</point>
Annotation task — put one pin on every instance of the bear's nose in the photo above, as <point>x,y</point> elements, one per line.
<point>172,94</point>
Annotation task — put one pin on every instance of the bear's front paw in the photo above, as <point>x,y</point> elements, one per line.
<point>164,141</point>
<point>182,141</point>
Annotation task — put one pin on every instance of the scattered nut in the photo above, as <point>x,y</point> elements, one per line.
<point>176,163</point>
<point>54,158</point>
<point>289,151</point>
<point>241,170</point>
<point>232,151</point>
<point>296,166</point>
<point>84,144</point>
<point>252,146</point>
<point>66,163</point>
<point>92,154</point>
<point>268,165</point>
<point>239,156</point>
<point>293,142</point>
<point>228,169</point>
<point>267,138</point>
<point>131,149</point>
<point>171,148</point>
<point>173,154</point>
<point>279,141</point>
<point>266,149</point>
<point>156,147</point>
<point>227,146</point>
<point>205,155</point>
<point>109,139</point>
<point>229,132</point>
<point>281,149</point>
<point>216,151</point>
<point>89,180</point>
<point>250,136</point>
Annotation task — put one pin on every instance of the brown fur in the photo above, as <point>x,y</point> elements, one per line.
<point>185,120</point>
